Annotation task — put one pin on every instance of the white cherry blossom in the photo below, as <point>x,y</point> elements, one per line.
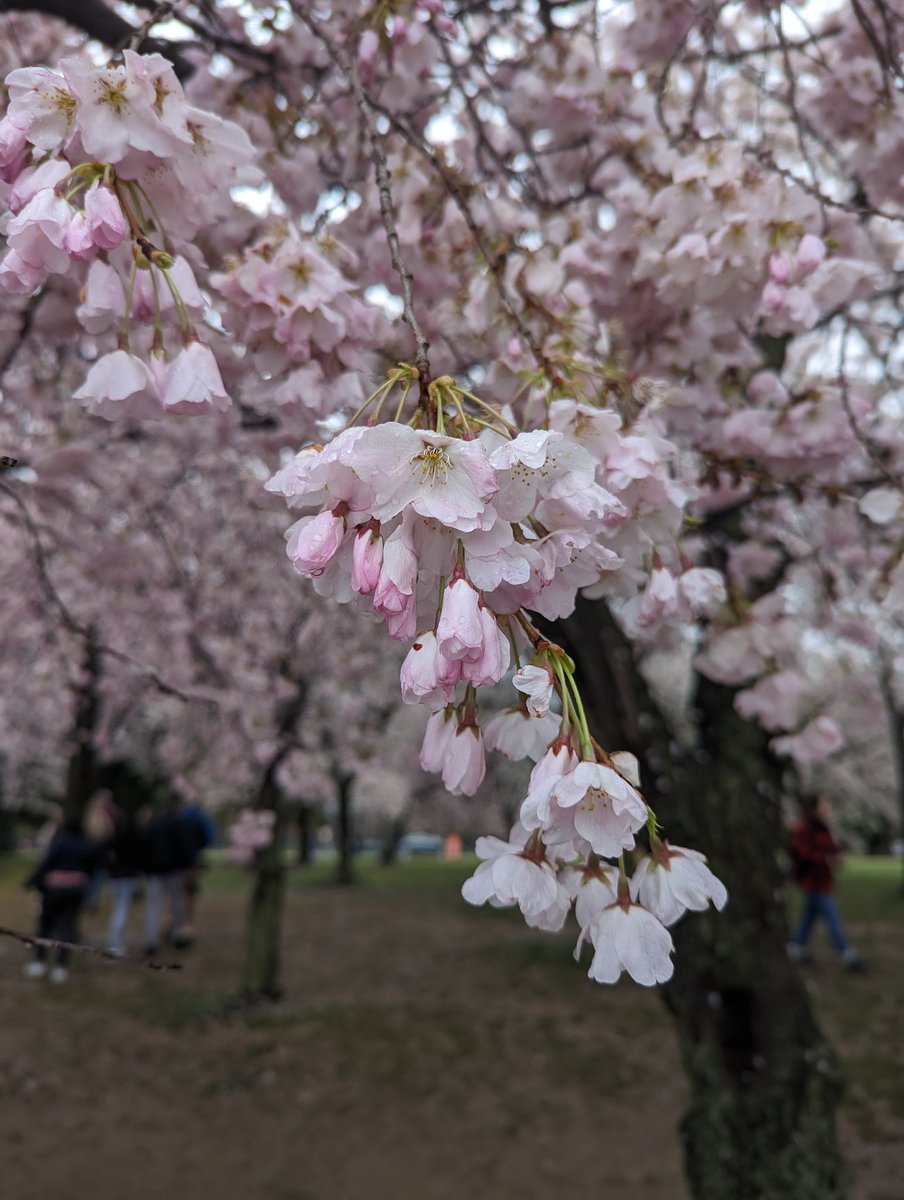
<point>672,879</point>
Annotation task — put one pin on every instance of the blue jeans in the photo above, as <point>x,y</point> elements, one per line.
<point>123,890</point>
<point>821,906</point>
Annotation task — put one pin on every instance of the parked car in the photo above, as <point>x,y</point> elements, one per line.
<point>421,843</point>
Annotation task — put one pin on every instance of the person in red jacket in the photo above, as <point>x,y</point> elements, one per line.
<point>815,855</point>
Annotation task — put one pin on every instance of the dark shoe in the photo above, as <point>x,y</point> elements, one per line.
<point>853,962</point>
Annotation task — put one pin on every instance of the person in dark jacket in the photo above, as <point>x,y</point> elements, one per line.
<point>170,855</point>
<point>62,877</point>
<point>126,862</point>
<point>814,856</point>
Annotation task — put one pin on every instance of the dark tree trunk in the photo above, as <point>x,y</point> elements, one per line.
<point>81,772</point>
<point>389,851</point>
<point>345,869</point>
<point>7,831</point>
<point>764,1080</point>
<point>262,974</point>
<point>305,836</point>
<point>895,734</point>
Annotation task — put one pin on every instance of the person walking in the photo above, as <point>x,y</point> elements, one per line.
<point>126,862</point>
<point>62,877</point>
<point>814,856</point>
<point>170,855</point>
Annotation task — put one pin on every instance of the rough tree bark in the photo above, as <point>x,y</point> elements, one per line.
<point>895,720</point>
<point>345,867</point>
<point>305,836</point>
<point>262,973</point>
<point>764,1080</point>
<point>262,970</point>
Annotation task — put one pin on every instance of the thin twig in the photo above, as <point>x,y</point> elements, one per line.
<point>382,175</point>
<point>51,945</point>
<point>75,626</point>
<point>26,320</point>
<point>864,439</point>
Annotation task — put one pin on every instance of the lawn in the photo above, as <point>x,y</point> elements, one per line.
<point>426,1050</point>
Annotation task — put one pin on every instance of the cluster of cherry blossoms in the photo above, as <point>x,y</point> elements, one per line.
<point>112,168</point>
<point>290,303</point>
<point>452,535</point>
<point>625,921</point>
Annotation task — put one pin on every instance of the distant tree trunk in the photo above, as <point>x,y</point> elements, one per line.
<point>305,836</point>
<point>262,975</point>
<point>262,971</point>
<point>389,851</point>
<point>82,767</point>
<point>345,870</point>
<point>895,734</point>
<point>764,1080</point>
<point>7,831</point>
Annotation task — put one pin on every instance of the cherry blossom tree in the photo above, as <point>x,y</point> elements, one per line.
<point>577,331</point>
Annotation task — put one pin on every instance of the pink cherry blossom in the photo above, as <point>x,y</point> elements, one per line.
<point>105,219</point>
<point>536,683</point>
<point>495,655</point>
<point>460,632</point>
<point>516,734</point>
<point>464,763</point>
<point>427,676</point>
<point>367,559</point>
<point>608,811</point>
<point>120,384</point>
<point>193,382</point>
<point>313,542</point>
<point>437,476</point>
<point>439,732</point>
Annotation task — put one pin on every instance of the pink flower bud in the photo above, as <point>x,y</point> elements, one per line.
<point>464,764</point>
<point>105,218</point>
<point>78,242</point>
<point>367,559</point>
<point>427,677</point>
<point>779,267</point>
<point>773,297</point>
<point>439,732</point>
<point>314,541</point>
<point>810,253</point>
<point>493,662</point>
<point>368,48</point>
<point>402,625</point>
<point>459,632</point>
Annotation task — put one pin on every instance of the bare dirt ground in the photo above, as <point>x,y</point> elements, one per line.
<point>425,1050</point>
